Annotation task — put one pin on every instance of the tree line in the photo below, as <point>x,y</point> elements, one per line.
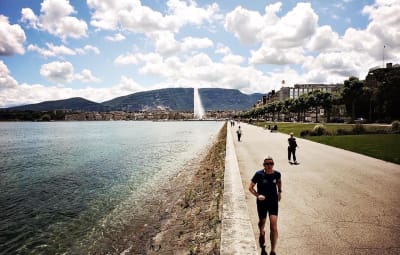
<point>379,103</point>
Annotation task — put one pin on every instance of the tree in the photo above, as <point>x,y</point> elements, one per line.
<point>387,95</point>
<point>278,108</point>
<point>327,104</point>
<point>352,93</point>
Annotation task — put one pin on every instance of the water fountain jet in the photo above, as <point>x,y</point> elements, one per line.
<point>198,108</point>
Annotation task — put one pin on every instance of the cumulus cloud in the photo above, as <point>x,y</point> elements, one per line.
<point>323,39</point>
<point>244,24</point>
<point>56,19</point>
<point>223,49</point>
<point>384,25</point>
<point>135,17</point>
<point>12,38</point>
<point>268,55</point>
<point>87,49</point>
<point>52,50</point>
<point>233,59</point>
<point>58,71</point>
<point>61,50</point>
<point>116,38</point>
<point>86,76</point>
<point>6,80</point>
<point>14,94</point>
<point>63,72</point>
<point>282,38</point>
<point>293,29</point>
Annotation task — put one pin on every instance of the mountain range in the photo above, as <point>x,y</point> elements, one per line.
<point>177,99</point>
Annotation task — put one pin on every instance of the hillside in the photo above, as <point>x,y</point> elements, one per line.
<point>177,99</point>
<point>74,104</point>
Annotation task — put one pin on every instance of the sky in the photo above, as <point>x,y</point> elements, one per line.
<point>102,49</point>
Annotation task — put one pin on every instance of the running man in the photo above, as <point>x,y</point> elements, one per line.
<point>268,193</point>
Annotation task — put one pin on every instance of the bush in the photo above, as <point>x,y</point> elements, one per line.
<point>358,129</point>
<point>396,126</point>
<point>304,133</point>
<point>319,130</point>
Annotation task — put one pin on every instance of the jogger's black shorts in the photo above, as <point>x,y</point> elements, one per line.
<point>267,207</point>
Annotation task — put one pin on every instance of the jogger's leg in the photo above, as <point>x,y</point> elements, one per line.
<point>273,222</point>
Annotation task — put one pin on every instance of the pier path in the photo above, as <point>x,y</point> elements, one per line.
<point>334,202</point>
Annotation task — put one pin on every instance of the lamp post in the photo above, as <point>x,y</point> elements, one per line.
<point>383,56</point>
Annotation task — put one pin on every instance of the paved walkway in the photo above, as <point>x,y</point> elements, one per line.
<point>334,202</point>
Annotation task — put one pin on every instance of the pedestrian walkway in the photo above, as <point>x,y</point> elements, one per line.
<point>237,233</point>
<point>334,202</point>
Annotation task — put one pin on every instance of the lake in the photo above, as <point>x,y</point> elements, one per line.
<point>60,182</point>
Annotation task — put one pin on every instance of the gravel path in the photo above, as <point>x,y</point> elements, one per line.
<point>334,202</point>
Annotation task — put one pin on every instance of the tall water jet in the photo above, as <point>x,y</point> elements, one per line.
<point>198,108</point>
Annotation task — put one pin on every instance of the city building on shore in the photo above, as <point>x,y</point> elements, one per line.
<point>147,115</point>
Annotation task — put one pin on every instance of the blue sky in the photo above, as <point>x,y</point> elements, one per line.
<point>102,49</point>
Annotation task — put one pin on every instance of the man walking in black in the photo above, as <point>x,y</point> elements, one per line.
<point>292,149</point>
<point>268,193</point>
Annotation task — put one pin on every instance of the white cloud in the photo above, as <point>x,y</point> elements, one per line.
<point>58,71</point>
<point>233,59</point>
<point>86,76</point>
<point>52,50</point>
<point>35,93</point>
<point>56,19</point>
<point>29,16</point>
<point>64,72</point>
<point>292,30</point>
<point>190,43</point>
<point>88,48</point>
<point>12,38</point>
<point>187,12</point>
<point>165,42</point>
<point>385,22</point>
<point>116,38</point>
<point>57,51</point>
<point>133,16</point>
<point>223,49</point>
<point>6,80</point>
<point>276,56</point>
<point>137,58</point>
<point>282,38</point>
<point>323,39</point>
<point>244,24</point>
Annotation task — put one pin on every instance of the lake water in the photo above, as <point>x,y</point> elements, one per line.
<point>60,180</point>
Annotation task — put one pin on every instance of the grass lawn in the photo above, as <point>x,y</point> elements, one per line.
<point>381,146</point>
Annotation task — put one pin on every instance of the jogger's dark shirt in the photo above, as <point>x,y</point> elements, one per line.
<point>267,186</point>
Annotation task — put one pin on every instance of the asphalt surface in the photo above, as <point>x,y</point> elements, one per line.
<point>334,202</point>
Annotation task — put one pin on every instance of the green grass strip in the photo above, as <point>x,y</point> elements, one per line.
<point>380,146</point>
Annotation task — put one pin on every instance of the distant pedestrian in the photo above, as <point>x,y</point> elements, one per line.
<point>292,149</point>
<point>268,193</point>
<point>239,133</point>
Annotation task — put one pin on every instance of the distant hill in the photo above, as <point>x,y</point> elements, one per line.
<point>178,99</point>
<point>75,104</point>
<point>227,99</point>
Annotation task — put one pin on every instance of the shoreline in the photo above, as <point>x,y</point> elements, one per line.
<point>183,217</point>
